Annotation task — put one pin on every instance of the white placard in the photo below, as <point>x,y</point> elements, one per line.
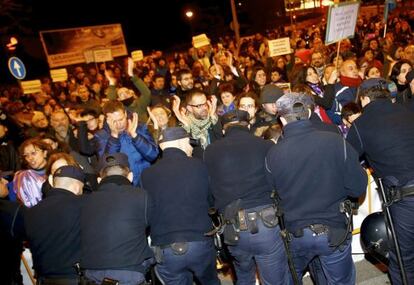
<point>102,55</point>
<point>279,47</point>
<point>31,86</point>
<point>200,41</point>
<point>137,55</point>
<point>341,22</point>
<point>59,75</point>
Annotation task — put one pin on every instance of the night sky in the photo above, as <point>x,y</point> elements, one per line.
<point>147,25</point>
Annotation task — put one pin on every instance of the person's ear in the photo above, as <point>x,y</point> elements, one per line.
<point>50,180</point>
<point>130,176</point>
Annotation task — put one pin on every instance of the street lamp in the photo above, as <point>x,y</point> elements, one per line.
<point>189,14</point>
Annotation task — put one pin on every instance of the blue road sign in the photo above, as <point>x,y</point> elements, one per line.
<point>17,68</point>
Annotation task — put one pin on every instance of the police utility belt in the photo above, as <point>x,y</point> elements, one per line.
<point>237,220</point>
<point>396,194</point>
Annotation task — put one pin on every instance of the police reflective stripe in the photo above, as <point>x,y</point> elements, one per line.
<point>338,106</point>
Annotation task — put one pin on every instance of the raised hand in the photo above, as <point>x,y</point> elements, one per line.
<point>130,69</point>
<point>132,125</point>
<point>153,118</point>
<point>109,76</point>
<point>181,116</point>
<point>212,105</point>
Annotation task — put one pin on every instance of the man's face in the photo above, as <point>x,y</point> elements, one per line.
<point>41,122</point>
<point>91,122</point>
<point>270,108</point>
<point>59,122</point>
<point>198,107</point>
<point>118,119</point>
<point>249,105</point>
<point>317,60</point>
<point>186,82</point>
<point>83,93</point>
<point>349,69</point>
<point>159,83</point>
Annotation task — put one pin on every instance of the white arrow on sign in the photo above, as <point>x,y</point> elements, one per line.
<point>17,66</point>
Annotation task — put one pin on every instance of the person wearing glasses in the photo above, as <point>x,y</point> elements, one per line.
<point>199,119</point>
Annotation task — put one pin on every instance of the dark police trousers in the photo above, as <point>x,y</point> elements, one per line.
<point>125,277</point>
<point>57,281</point>
<point>264,249</point>
<point>402,214</point>
<point>176,265</point>
<point>337,265</point>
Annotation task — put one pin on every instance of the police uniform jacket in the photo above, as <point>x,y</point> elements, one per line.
<point>313,172</point>
<point>113,223</point>
<point>385,133</point>
<point>53,231</point>
<point>178,189</point>
<point>236,169</point>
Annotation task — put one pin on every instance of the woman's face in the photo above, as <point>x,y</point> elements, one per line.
<point>260,78</point>
<point>280,63</point>
<point>374,73</point>
<point>227,98</point>
<point>369,55</point>
<point>312,76</point>
<point>35,157</point>
<point>161,116</point>
<point>405,68</point>
<point>399,53</point>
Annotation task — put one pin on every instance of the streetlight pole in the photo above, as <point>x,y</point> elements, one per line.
<point>189,14</point>
<point>235,23</point>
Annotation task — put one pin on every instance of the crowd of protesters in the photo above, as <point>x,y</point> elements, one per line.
<point>82,119</point>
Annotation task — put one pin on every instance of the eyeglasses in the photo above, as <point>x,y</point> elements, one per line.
<point>199,106</point>
<point>249,106</point>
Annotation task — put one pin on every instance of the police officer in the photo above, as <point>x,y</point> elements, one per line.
<point>11,242</point>
<point>53,229</point>
<point>242,194</point>
<point>311,190</point>
<point>385,134</point>
<point>113,226</point>
<point>178,189</point>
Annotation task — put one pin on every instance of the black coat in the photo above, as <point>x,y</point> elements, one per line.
<point>385,134</point>
<point>113,224</point>
<point>236,166</point>
<point>53,231</point>
<point>178,189</point>
<point>313,171</point>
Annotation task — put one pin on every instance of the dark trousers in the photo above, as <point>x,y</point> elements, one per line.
<point>200,260</point>
<point>266,251</point>
<point>337,265</point>
<point>403,217</point>
<point>125,277</point>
